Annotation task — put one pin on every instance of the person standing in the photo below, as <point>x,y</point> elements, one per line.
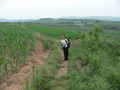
<point>65,46</point>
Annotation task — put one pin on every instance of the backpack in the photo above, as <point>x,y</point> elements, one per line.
<point>68,43</point>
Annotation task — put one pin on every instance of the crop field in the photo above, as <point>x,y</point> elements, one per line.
<point>110,28</point>
<point>94,54</point>
<point>53,32</point>
<point>15,44</point>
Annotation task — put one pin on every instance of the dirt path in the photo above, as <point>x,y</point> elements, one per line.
<point>63,70</point>
<point>17,80</point>
<point>60,81</point>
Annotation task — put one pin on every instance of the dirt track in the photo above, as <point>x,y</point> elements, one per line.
<point>63,70</point>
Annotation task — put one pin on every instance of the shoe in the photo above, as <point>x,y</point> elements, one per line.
<point>65,59</point>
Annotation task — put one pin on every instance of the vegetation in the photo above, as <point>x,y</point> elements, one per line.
<point>96,64</point>
<point>15,44</point>
<point>93,64</point>
<point>94,57</point>
<point>53,32</point>
<point>44,79</point>
<point>110,28</point>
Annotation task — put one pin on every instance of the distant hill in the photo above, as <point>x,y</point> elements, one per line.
<point>18,20</point>
<point>108,18</point>
<point>46,19</point>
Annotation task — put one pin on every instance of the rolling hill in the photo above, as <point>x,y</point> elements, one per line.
<point>108,18</point>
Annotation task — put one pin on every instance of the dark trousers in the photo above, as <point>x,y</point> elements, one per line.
<point>65,50</point>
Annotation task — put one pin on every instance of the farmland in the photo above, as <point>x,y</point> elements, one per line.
<point>94,55</point>
<point>15,44</point>
<point>80,25</point>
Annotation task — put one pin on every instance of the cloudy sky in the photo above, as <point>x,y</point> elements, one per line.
<point>35,9</point>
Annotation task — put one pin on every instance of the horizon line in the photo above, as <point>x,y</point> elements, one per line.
<point>58,17</point>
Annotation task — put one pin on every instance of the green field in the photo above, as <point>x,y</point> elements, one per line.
<point>94,57</point>
<point>16,42</point>
<point>110,28</point>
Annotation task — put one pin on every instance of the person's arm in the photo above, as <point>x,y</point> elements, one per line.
<point>61,45</point>
<point>67,42</point>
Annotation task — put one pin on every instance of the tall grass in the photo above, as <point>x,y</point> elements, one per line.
<point>95,66</point>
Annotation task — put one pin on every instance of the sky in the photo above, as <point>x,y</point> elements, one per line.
<point>36,9</point>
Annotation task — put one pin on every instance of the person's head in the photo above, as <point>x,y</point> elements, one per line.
<point>63,36</point>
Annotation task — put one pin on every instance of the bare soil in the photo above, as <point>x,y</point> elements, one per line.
<point>63,70</point>
<point>17,80</point>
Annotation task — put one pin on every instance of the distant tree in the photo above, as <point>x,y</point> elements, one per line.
<point>85,23</point>
<point>97,21</point>
<point>82,21</point>
<point>19,23</point>
<point>98,29</point>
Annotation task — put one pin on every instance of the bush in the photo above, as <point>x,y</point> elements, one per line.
<point>94,65</point>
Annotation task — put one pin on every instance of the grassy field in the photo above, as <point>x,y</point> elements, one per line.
<point>94,56</point>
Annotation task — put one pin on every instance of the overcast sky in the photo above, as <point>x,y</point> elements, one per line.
<point>35,9</point>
